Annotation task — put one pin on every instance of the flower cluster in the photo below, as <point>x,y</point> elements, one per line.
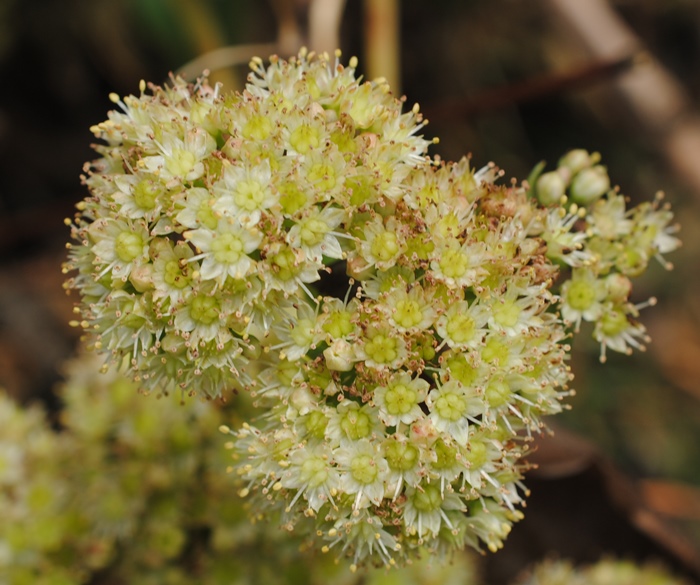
<point>393,316</point>
<point>391,416</point>
<point>605,244</point>
<point>126,487</point>
<point>209,214</point>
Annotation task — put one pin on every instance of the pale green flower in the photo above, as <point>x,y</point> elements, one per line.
<point>399,399</point>
<point>314,233</point>
<point>312,474</point>
<point>363,473</point>
<point>244,192</point>
<point>582,297</point>
<point>618,330</point>
<point>425,509</point>
<point>463,325</point>
<point>459,264</point>
<point>589,185</point>
<point>608,218</point>
<point>225,251</point>
<point>452,406</point>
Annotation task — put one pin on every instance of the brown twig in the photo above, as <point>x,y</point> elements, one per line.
<point>381,20</point>
<point>528,90</point>
<point>324,25</point>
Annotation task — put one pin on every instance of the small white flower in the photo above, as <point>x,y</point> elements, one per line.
<point>451,408</point>
<point>181,159</point>
<point>224,252</point>
<point>582,297</point>
<point>312,474</point>
<point>118,246</point>
<point>363,472</point>
<point>459,265</point>
<point>425,507</point>
<point>463,325</point>
<point>313,233</point>
<point>399,399</point>
<point>245,192</point>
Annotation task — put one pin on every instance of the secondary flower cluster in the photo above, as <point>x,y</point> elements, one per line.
<point>123,469</point>
<point>611,243</point>
<point>392,315</point>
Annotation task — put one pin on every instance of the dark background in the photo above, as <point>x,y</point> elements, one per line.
<point>505,80</point>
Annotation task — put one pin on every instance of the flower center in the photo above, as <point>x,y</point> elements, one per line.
<point>145,194</point>
<point>206,215</point>
<point>384,246</point>
<point>461,370</point>
<point>356,425</point>
<point>401,456</point>
<point>580,295</point>
<point>461,328</point>
<point>495,352</point>
<point>312,231</point>
<point>257,128</point>
<point>322,175</point>
<point>284,265</point>
<point>453,264</point>
<point>446,456</point>
<point>292,199</point>
<point>174,275</point>
<point>408,314</point>
<point>427,500</point>
<point>400,399</point>
<point>497,393</point>
<point>381,349</point>
<point>128,246</point>
<point>338,324</point>
<point>249,195</point>
<point>363,469</point>
<point>180,162</point>
<point>613,323</point>
<point>428,195</point>
<point>303,332</point>
<point>451,406</point>
<point>506,314</point>
<point>304,138</point>
<point>477,455</point>
<point>316,423</point>
<point>204,310</point>
<point>227,248</point>
<point>314,471</point>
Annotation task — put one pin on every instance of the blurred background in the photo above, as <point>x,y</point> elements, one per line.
<point>509,81</point>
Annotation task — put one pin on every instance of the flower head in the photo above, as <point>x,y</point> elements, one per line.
<point>393,315</point>
<point>199,197</point>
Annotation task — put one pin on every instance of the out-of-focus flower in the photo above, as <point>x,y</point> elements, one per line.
<point>605,572</point>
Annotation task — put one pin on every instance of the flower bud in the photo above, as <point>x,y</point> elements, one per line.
<point>550,188</point>
<point>339,356</point>
<point>142,277</point>
<point>578,159</point>
<point>590,185</point>
<point>618,287</point>
<point>172,343</point>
